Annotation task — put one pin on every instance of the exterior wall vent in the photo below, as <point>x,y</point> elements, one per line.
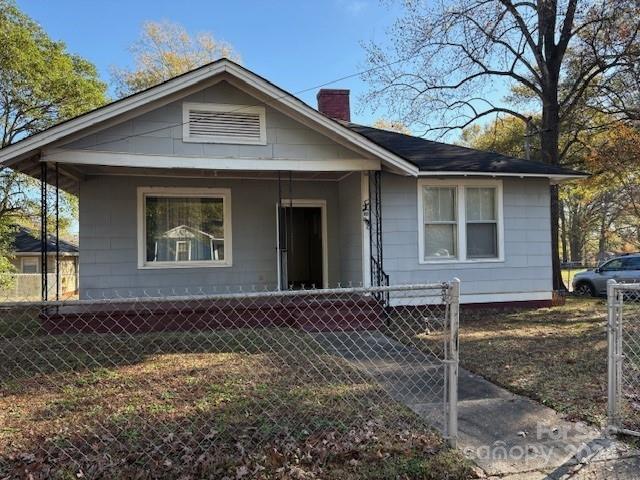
<point>223,123</point>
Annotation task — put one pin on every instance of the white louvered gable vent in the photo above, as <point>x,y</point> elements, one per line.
<point>222,123</point>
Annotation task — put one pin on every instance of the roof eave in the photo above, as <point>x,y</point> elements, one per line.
<point>554,178</point>
<point>13,153</point>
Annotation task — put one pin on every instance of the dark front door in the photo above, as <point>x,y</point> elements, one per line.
<point>304,246</point>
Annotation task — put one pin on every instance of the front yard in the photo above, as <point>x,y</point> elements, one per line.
<point>557,355</point>
<point>233,404</point>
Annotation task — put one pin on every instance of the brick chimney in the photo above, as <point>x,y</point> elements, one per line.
<point>334,103</point>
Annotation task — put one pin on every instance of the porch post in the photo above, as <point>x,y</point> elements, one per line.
<point>57,233</point>
<point>44,278</point>
<point>366,228</point>
<point>378,276</point>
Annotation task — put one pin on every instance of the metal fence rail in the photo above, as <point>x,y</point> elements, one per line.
<point>113,388</point>
<point>623,300</point>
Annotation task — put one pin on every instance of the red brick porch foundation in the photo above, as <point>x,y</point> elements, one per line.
<point>308,314</point>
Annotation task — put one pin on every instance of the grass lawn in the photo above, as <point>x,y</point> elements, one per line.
<point>555,355</point>
<point>235,404</point>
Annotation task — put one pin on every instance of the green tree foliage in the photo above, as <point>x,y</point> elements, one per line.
<point>166,50</point>
<point>41,84</point>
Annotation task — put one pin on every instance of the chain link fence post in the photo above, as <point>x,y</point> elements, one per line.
<point>452,361</point>
<point>612,408</point>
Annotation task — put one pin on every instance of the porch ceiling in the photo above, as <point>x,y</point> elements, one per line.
<point>93,170</point>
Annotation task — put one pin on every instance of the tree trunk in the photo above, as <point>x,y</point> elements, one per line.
<point>602,240</point>
<point>563,233</point>
<point>549,140</point>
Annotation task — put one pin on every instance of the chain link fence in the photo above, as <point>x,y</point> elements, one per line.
<point>623,300</point>
<point>231,385</point>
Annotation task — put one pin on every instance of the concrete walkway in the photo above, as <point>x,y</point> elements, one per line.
<point>508,436</point>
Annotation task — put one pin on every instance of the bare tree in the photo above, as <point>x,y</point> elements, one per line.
<point>448,61</point>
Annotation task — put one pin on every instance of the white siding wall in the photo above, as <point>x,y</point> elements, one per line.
<point>526,270</point>
<point>350,216</point>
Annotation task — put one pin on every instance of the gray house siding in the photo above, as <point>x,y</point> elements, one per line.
<point>159,132</point>
<point>527,259</point>
<point>108,236</point>
<point>350,220</point>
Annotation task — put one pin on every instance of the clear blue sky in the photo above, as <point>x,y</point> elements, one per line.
<point>295,44</point>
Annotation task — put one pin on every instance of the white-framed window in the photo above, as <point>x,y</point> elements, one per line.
<point>224,123</point>
<point>184,227</point>
<point>30,265</point>
<point>460,221</point>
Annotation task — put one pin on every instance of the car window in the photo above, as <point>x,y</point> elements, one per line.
<point>629,263</point>
<point>632,263</point>
<point>615,264</point>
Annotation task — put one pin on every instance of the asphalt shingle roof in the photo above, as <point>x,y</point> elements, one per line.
<point>28,241</point>
<point>432,156</point>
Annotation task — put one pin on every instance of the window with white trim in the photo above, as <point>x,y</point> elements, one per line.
<point>223,123</point>
<point>460,220</point>
<point>184,227</point>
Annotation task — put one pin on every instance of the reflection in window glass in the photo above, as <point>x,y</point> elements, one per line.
<point>184,229</point>
<point>481,222</point>
<point>440,222</point>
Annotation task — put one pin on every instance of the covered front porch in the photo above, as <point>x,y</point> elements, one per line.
<point>184,231</point>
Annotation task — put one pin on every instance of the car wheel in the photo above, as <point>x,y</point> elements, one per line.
<point>585,289</point>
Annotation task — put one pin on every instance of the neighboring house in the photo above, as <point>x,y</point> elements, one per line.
<point>27,248</point>
<point>218,178</point>
<point>27,260</point>
<point>186,244</point>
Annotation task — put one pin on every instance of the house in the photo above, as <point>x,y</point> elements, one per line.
<point>26,257</point>
<point>218,178</point>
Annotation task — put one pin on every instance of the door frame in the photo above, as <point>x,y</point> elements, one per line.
<point>302,203</point>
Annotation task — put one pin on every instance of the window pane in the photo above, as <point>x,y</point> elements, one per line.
<point>439,204</point>
<point>440,240</point>
<point>634,263</point>
<point>481,204</point>
<point>30,265</point>
<point>184,229</point>
<point>613,265</point>
<point>482,240</point>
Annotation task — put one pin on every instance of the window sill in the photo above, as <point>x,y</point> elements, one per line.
<point>191,265</point>
<point>455,261</point>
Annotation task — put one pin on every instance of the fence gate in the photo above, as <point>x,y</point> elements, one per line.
<point>623,300</point>
<point>217,385</point>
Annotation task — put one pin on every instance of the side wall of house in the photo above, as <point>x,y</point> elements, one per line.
<point>108,236</point>
<point>350,219</point>
<point>525,273</point>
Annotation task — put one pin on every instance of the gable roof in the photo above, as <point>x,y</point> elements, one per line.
<point>280,98</point>
<point>442,158</point>
<point>402,153</point>
<point>27,241</point>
